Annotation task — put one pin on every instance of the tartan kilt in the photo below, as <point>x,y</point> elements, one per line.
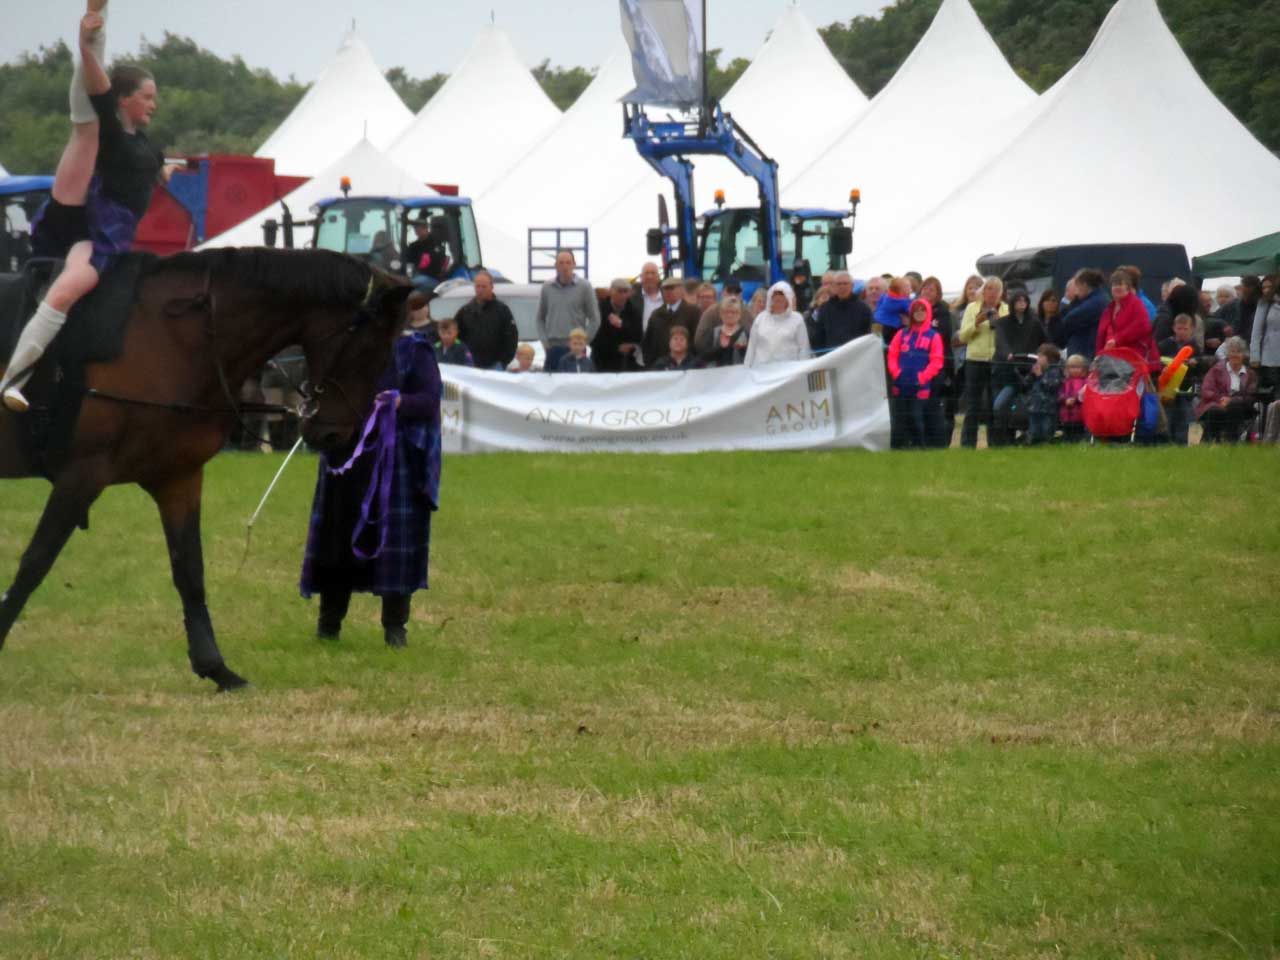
<point>401,567</point>
<point>111,228</point>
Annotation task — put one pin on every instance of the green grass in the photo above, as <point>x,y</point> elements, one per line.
<point>1004,704</point>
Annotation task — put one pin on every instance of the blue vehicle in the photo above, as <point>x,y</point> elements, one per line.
<point>753,246</point>
<point>21,198</point>
<point>379,230</point>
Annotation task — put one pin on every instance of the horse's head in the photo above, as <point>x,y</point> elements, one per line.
<point>347,354</point>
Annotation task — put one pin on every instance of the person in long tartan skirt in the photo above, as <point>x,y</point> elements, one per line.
<point>331,566</point>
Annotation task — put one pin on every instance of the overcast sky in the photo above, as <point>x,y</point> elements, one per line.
<point>299,36</point>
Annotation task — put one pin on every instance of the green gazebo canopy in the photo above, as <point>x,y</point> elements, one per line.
<point>1260,256</point>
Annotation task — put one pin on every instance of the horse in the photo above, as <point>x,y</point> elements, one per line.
<point>199,325</point>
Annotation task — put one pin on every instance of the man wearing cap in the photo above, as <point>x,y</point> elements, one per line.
<point>427,254</point>
<point>802,284</point>
<point>614,348</point>
<point>566,303</point>
<point>674,312</point>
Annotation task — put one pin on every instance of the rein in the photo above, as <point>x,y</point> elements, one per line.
<point>310,389</point>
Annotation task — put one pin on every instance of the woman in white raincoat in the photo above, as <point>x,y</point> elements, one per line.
<point>778,333</point>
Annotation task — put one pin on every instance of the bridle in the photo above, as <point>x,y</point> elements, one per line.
<point>310,390</point>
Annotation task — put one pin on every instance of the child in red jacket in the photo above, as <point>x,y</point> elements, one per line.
<point>915,359</point>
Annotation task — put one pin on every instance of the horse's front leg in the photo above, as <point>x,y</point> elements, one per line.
<point>179,503</point>
<point>68,504</point>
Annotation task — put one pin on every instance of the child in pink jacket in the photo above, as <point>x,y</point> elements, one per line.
<point>915,359</point>
<point>1070,411</point>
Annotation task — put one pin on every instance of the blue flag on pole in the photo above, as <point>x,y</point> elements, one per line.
<point>665,37</point>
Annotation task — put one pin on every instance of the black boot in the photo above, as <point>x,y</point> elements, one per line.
<point>333,610</point>
<point>395,617</point>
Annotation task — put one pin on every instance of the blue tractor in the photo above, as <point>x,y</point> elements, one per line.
<point>752,246</point>
<point>391,232</point>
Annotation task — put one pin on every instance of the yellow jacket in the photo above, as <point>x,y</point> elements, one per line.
<point>980,340</point>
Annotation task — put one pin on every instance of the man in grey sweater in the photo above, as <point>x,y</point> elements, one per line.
<point>566,302</point>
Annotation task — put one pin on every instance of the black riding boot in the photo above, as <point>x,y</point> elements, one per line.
<point>333,610</point>
<point>395,617</point>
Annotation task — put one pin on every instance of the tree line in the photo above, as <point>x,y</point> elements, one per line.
<point>215,105</point>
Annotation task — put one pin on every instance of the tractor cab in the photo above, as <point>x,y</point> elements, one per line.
<point>731,246</point>
<point>21,197</point>
<point>380,230</point>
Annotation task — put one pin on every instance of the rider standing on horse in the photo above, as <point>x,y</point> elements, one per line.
<point>101,190</point>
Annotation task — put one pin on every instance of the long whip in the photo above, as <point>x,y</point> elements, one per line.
<point>248,529</point>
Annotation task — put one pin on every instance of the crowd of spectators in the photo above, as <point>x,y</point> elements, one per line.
<point>1016,368</point>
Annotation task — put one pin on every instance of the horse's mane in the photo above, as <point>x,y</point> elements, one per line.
<point>308,276</point>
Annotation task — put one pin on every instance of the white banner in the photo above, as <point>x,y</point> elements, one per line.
<point>837,400</point>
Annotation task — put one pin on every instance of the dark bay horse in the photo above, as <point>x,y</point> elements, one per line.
<point>200,324</point>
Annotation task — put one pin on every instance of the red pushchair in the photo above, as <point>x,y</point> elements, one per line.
<point>1114,394</point>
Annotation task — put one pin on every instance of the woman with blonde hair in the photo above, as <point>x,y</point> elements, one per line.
<point>977,334</point>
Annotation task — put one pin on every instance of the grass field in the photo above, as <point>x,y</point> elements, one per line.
<point>1004,704</point>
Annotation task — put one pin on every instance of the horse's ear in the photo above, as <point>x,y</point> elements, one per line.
<point>391,307</point>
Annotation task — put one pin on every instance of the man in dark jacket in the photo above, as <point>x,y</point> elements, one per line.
<point>487,327</point>
<point>1236,318</point>
<point>843,318</point>
<point>621,330</point>
<point>1078,328</point>
<point>674,312</point>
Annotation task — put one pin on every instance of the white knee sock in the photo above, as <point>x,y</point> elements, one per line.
<point>81,107</point>
<point>36,337</point>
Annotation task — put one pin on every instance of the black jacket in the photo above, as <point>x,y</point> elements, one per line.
<point>1182,299</point>
<point>604,348</point>
<point>1019,338</point>
<point>666,363</point>
<point>658,335</point>
<point>946,329</point>
<point>840,321</point>
<point>489,330</point>
<point>733,355</point>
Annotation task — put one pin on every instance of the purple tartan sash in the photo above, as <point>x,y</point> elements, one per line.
<point>379,440</point>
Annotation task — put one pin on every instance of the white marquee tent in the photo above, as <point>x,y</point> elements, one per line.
<point>490,111</point>
<point>1093,165</point>
<point>371,172</point>
<point>944,112</point>
<point>3,171</point>
<point>351,100</point>
<point>571,173</point>
<point>792,101</point>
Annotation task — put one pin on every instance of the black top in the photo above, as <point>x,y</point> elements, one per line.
<point>668,363</point>
<point>840,321</point>
<point>128,165</point>
<point>657,336</point>
<point>734,354</point>
<point>437,267</point>
<point>490,331</point>
<point>604,348</point>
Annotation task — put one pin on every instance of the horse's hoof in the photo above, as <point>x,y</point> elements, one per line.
<point>227,680</point>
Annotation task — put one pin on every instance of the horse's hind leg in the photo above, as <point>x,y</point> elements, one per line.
<point>73,494</point>
<point>179,503</point>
